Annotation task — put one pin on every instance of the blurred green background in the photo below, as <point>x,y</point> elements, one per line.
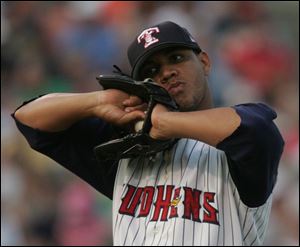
<point>62,46</point>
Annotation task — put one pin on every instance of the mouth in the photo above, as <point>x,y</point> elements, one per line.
<point>175,88</point>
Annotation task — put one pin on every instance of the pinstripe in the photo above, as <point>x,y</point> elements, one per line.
<point>205,175</point>
<point>201,234</point>
<point>264,231</point>
<point>154,235</point>
<point>217,198</point>
<point>266,222</point>
<point>186,184</point>
<point>263,222</point>
<point>218,180</point>
<point>174,153</point>
<point>132,218</point>
<point>253,241</point>
<point>265,228</point>
<point>134,171</point>
<point>231,220</point>
<point>115,227</point>
<point>115,185</point>
<point>254,221</point>
<point>156,224</point>
<point>139,224</point>
<point>157,175</point>
<point>256,236</point>
<point>151,209</point>
<point>261,234</point>
<point>204,182</point>
<point>193,243</point>
<point>208,234</point>
<point>136,232</point>
<point>239,207</point>
<point>198,168</point>
<point>161,233</point>
<point>121,218</point>
<point>172,182</point>
<point>174,231</point>
<point>182,155</point>
<point>115,222</point>
<point>182,176</point>
<point>183,226</point>
<point>207,179</point>
<point>168,232</point>
<point>245,219</point>
<point>223,215</point>
<point>133,197</point>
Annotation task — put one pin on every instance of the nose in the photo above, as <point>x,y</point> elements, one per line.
<point>167,73</point>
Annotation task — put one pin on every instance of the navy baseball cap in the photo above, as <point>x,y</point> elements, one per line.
<point>155,38</point>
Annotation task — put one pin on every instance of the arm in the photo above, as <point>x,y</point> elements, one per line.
<point>66,128</point>
<point>246,133</point>
<point>210,126</point>
<point>56,112</point>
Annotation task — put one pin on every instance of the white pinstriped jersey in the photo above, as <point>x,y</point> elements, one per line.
<point>183,196</point>
<point>186,195</point>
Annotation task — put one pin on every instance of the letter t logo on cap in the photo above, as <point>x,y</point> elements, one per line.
<point>146,35</point>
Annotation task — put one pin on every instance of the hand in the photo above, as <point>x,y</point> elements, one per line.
<point>157,114</point>
<point>158,131</point>
<point>113,107</point>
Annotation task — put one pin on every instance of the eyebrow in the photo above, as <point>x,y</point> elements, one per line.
<point>164,52</point>
<point>171,49</point>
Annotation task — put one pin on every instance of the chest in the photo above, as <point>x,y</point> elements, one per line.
<point>182,182</point>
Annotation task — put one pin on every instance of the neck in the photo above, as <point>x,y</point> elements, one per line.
<point>206,102</point>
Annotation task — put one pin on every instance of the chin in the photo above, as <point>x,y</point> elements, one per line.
<point>186,107</point>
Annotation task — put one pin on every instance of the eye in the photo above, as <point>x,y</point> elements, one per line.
<point>176,58</point>
<point>150,71</point>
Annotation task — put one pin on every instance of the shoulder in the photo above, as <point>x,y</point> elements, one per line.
<point>253,152</point>
<point>255,112</point>
<point>257,125</point>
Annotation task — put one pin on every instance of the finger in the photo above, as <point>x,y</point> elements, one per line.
<point>142,107</point>
<point>132,116</point>
<point>132,101</point>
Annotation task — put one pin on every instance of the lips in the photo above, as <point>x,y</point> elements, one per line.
<point>175,88</point>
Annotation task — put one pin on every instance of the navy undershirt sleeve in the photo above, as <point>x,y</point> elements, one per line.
<point>73,149</point>
<point>253,152</point>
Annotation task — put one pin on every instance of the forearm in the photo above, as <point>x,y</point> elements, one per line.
<point>210,126</point>
<point>58,111</point>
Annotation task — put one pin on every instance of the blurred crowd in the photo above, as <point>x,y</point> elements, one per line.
<point>61,46</point>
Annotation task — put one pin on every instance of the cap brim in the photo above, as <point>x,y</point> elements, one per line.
<point>136,68</point>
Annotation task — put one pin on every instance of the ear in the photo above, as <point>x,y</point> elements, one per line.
<point>204,59</point>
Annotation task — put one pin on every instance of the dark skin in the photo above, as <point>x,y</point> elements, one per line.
<point>183,73</point>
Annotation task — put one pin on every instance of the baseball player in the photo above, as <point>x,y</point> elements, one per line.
<point>213,186</point>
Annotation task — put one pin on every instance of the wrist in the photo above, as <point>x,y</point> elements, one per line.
<point>93,101</point>
<point>167,126</point>
<point>162,126</point>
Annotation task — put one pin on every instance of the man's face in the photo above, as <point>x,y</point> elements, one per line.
<point>182,73</point>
